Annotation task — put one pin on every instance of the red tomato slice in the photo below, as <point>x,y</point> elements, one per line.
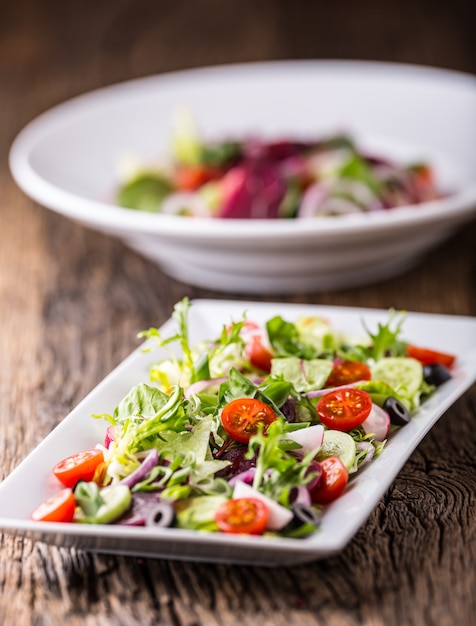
<point>191,177</point>
<point>428,356</point>
<point>423,181</point>
<point>58,508</point>
<point>79,466</point>
<point>348,372</point>
<point>242,515</point>
<point>332,482</point>
<point>344,409</point>
<point>258,354</point>
<point>242,417</point>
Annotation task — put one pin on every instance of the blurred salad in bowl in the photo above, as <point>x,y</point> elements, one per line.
<point>257,178</point>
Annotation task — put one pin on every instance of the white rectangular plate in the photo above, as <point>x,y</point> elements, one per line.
<point>32,481</point>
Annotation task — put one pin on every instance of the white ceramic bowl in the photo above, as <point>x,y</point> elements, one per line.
<point>67,160</point>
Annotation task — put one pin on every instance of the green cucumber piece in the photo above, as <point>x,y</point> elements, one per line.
<point>340,444</point>
<point>116,500</point>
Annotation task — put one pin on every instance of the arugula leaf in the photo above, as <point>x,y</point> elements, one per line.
<point>277,471</point>
<point>384,342</point>
<point>227,351</point>
<point>238,386</point>
<point>338,142</point>
<point>285,339</point>
<point>220,154</point>
<point>277,390</point>
<point>209,359</point>
<point>194,368</point>
<point>180,315</point>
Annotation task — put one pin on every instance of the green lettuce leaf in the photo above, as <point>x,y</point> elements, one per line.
<point>304,375</point>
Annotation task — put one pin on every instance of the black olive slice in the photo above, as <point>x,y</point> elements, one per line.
<point>398,412</point>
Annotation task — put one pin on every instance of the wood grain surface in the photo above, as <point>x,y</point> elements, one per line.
<point>72,302</point>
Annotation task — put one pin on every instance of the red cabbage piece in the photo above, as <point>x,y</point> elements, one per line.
<point>252,191</point>
<point>238,462</point>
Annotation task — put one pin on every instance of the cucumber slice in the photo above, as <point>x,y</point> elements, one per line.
<point>337,443</point>
<point>115,501</point>
<point>403,374</point>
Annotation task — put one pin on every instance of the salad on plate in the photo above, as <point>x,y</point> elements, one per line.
<point>255,178</point>
<point>255,431</point>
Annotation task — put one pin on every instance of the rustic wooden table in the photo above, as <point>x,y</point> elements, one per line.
<point>72,301</point>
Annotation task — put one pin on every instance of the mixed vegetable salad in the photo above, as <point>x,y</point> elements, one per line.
<point>255,431</point>
<point>260,179</point>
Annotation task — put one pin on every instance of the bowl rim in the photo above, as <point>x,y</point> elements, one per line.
<point>100,214</point>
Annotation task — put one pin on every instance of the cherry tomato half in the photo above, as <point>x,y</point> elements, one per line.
<point>79,466</point>
<point>348,372</point>
<point>428,357</point>
<point>344,409</point>
<point>58,508</point>
<point>423,180</point>
<point>258,354</point>
<point>332,482</point>
<point>242,417</point>
<point>191,177</point>
<point>242,515</point>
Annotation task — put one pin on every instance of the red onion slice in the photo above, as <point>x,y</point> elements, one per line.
<point>201,385</point>
<point>316,393</point>
<point>314,468</point>
<point>377,423</point>
<point>279,516</point>
<point>141,472</point>
<point>245,477</point>
<point>301,496</point>
<point>369,448</point>
<point>110,436</point>
<point>312,200</point>
<point>310,438</point>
